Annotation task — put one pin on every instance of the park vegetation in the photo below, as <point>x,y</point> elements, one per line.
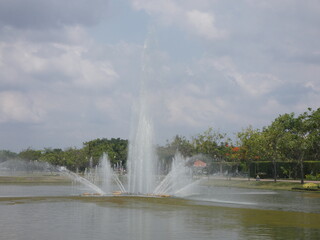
<point>288,148</point>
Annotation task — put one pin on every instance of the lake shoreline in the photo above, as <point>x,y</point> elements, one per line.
<point>35,179</point>
<point>266,184</point>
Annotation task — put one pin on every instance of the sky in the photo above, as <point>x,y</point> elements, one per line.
<point>70,71</point>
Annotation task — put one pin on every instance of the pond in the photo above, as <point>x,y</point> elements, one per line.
<point>59,212</point>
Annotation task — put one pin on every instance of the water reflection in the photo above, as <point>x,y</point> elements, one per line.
<point>73,217</point>
<point>258,199</point>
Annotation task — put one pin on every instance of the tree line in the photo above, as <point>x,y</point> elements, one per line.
<point>282,148</point>
<point>288,138</point>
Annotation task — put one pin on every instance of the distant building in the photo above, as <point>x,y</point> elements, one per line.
<point>199,167</point>
<point>199,163</point>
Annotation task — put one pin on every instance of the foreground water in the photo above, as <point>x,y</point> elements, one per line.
<point>58,212</point>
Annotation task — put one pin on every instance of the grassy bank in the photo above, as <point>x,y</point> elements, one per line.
<point>214,182</point>
<point>34,179</point>
<point>270,185</point>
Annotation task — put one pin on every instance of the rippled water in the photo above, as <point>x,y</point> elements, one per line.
<point>58,212</point>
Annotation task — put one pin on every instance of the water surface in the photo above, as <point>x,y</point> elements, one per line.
<point>58,212</point>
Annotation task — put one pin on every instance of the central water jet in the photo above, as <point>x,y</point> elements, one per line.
<point>141,156</point>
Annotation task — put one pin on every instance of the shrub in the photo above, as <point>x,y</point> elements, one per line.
<point>313,177</point>
<point>310,185</point>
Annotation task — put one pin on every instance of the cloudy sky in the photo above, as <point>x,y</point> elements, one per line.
<point>70,70</point>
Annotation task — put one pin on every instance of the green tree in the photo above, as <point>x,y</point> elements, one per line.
<point>307,131</point>
<point>6,155</point>
<point>74,159</point>
<point>214,145</point>
<point>178,143</point>
<point>116,148</point>
<point>30,154</point>
<point>279,139</point>
<point>312,126</point>
<point>167,152</point>
<point>251,144</point>
<point>52,158</point>
<point>291,138</point>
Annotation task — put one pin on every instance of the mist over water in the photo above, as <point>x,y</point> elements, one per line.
<point>17,167</point>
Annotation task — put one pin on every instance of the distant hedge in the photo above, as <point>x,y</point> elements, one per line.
<point>265,168</point>
<point>284,169</point>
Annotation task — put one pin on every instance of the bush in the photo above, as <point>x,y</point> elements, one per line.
<point>313,177</point>
<point>286,169</point>
<point>310,185</point>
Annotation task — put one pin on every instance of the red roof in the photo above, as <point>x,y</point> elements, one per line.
<point>199,163</point>
<point>235,149</point>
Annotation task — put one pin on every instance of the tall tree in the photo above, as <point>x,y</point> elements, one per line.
<point>6,155</point>
<point>279,139</point>
<point>292,138</point>
<point>312,125</point>
<point>178,143</point>
<point>212,143</point>
<point>307,130</point>
<point>30,154</point>
<point>116,148</point>
<point>251,146</point>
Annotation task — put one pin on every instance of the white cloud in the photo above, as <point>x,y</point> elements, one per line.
<point>172,12</point>
<point>24,63</point>
<point>314,85</point>
<point>202,24</point>
<point>254,83</point>
<point>271,106</point>
<point>192,109</point>
<point>54,83</point>
<point>17,107</point>
<point>189,110</point>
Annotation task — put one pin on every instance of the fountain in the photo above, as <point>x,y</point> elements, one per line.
<point>142,159</point>
<point>178,180</point>
<point>102,179</point>
<point>143,177</point>
<point>99,179</point>
<point>82,180</point>
<point>141,156</point>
